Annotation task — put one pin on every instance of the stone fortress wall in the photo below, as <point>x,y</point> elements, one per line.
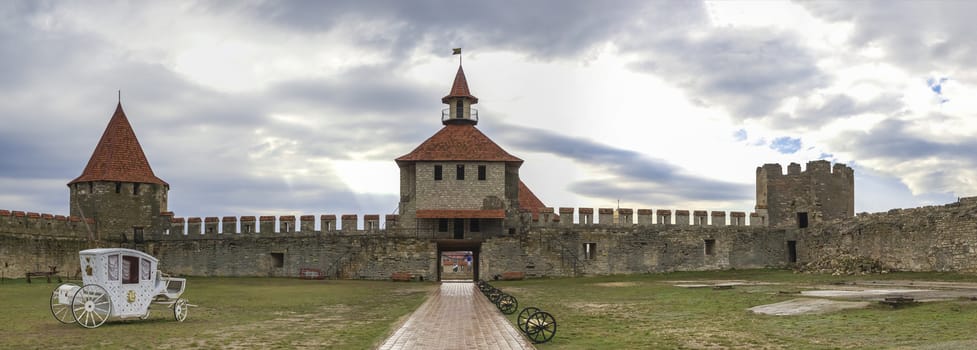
<point>350,248</point>
<point>550,242</point>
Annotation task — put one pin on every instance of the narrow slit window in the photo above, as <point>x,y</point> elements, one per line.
<point>460,175</point>
<point>481,172</point>
<point>118,187</point>
<point>801,220</point>
<point>710,246</point>
<point>459,109</point>
<point>135,189</point>
<point>437,172</point>
<point>589,251</point>
<point>278,259</point>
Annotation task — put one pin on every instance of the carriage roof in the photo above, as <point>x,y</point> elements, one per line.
<point>107,251</point>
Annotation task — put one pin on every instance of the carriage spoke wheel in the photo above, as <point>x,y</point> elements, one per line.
<point>180,310</point>
<point>508,304</point>
<point>540,327</point>
<point>91,306</point>
<point>61,312</point>
<point>523,317</point>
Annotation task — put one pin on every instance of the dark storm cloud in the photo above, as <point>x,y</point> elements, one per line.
<point>922,36</point>
<point>807,116</point>
<point>636,176</point>
<point>540,28</point>
<point>893,139</point>
<point>362,90</point>
<point>747,71</point>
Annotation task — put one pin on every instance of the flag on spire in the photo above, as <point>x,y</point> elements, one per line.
<point>456,51</point>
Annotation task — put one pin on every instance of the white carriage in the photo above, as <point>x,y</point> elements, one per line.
<point>120,283</point>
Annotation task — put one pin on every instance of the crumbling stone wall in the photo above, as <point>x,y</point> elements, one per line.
<point>933,238</point>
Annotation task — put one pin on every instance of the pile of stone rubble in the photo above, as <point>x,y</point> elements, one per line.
<point>844,265</point>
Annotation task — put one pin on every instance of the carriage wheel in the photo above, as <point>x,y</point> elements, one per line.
<point>180,310</point>
<point>541,327</point>
<point>508,304</point>
<point>91,306</point>
<point>524,317</point>
<point>61,312</point>
<point>146,315</point>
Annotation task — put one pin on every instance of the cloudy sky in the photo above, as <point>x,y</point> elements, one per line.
<point>300,107</point>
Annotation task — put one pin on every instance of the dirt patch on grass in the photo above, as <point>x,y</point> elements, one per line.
<point>805,306</point>
<point>601,308</point>
<point>717,283</point>
<point>616,284</point>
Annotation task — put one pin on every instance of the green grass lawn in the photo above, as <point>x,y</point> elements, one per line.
<point>649,312</point>
<point>237,313</point>
<point>611,312</point>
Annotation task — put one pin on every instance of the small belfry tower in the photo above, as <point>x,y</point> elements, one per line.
<point>118,188</point>
<point>460,100</point>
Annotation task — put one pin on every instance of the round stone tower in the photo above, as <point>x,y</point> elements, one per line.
<point>118,188</point>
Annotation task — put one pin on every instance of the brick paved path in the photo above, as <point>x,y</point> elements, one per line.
<point>457,316</point>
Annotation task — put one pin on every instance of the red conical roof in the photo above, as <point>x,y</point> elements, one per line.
<point>460,88</point>
<point>118,156</point>
<point>459,142</point>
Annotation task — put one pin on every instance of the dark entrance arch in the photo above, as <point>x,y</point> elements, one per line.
<point>455,245</point>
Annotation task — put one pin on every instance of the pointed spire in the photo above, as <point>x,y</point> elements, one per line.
<point>118,155</point>
<point>460,88</point>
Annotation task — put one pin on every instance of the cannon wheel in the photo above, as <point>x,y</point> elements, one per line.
<point>524,317</point>
<point>61,312</point>
<point>91,306</point>
<point>494,295</point>
<point>508,304</point>
<point>540,327</point>
<point>180,310</point>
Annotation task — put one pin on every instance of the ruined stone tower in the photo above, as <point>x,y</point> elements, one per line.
<point>802,198</point>
<point>118,188</point>
<point>459,184</point>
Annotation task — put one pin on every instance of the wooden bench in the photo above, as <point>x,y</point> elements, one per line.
<point>401,276</point>
<point>46,274</point>
<point>513,276</point>
<point>898,301</point>
<point>311,274</point>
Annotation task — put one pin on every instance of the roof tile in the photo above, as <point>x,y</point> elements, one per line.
<point>456,142</point>
<point>460,88</point>
<point>118,155</point>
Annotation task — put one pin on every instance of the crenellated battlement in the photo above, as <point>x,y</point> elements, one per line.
<point>814,167</point>
<point>645,217</point>
<point>32,223</point>
<point>273,226</point>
